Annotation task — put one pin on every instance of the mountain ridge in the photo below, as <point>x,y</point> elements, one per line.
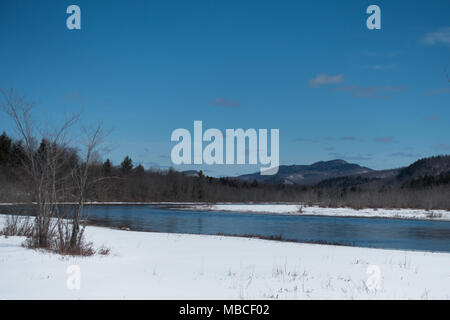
<point>310,174</point>
<point>334,172</point>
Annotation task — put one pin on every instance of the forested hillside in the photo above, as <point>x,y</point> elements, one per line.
<point>425,184</point>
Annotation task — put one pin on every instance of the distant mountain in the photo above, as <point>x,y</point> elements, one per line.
<point>310,174</point>
<point>190,173</point>
<point>339,173</point>
<point>379,177</point>
<point>424,173</point>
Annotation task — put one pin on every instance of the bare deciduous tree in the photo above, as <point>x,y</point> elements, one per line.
<point>56,172</point>
<point>43,164</point>
<point>92,138</point>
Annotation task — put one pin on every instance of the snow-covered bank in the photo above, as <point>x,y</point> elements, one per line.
<point>289,209</point>
<point>295,209</point>
<point>173,266</point>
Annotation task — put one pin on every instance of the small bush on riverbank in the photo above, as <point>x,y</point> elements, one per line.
<point>17,226</point>
<point>25,227</point>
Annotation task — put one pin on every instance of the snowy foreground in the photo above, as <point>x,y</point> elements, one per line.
<point>172,266</point>
<point>294,209</point>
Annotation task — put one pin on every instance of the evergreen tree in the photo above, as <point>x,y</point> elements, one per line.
<point>201,186</point>
<point>18,156</point>
<point>139,169</point>
<point>43,149</point>
<point>5,149</point>
<point>127,165</point>
<point>107,168</point>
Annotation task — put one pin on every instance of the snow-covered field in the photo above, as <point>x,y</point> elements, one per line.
<point>173,266</point>
<point>295,209</point>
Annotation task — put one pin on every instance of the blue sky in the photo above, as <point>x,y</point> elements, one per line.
<point>312,69</point>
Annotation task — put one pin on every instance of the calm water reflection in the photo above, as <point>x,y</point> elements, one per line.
<point>365,232</point>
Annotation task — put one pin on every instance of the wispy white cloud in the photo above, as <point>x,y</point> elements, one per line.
<point>434,118</point>
<point>306,140</point>
<point>445,90</point>
<point>350,138</point>
<point>351,157</point>
<point>382,54</point>
<point>379,66</point>
<point>372,91</point>
<point>405,155</point>
<point>385,140</point>
<point>72,96</point>
<point>223,102</point>
<point>324,79</point>
<point>441,146</point>
<point>439,36</point>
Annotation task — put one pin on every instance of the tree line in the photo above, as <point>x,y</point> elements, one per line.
<point>127,182</point>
